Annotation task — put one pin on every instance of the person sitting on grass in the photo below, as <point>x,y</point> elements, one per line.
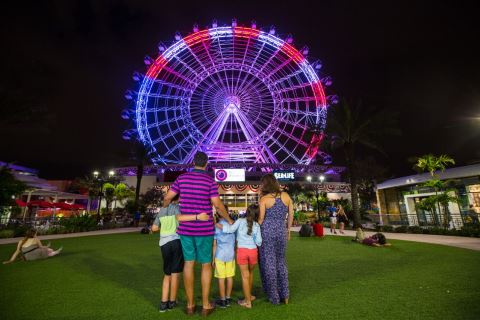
<point>306,229</point>
<point>31,248</point>
<point>377,240</point>
<point>171,248</point>
<point>248,238</point>
<point>359,236</point>
<point>224,262</point>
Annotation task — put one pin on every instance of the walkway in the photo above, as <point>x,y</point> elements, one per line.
<point>460,242</point>
<point>74,235</point>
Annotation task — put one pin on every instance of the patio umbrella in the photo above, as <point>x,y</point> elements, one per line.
<point>40,203</point>
<point>20,203</point>
<point>63,205</point>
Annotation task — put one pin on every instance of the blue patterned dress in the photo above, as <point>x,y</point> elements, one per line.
<point>273,267</point>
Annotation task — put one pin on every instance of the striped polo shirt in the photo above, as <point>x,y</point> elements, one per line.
<point>195,189</point>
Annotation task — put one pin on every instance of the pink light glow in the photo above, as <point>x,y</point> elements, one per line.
<point>242,32</point>
<point>292,52</point>
<point>155,68</point>
<point>314,145</point>
<point>197,37</point>
<point>319,94</point>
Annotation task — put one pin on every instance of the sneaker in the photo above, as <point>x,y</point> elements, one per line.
<point>221,303</point>
<point>163,306</point>
<point>228,301</point>
<point>172,304</point>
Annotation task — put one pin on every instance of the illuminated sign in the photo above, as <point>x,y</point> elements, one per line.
<point>284,175</point>
<point>230,175</point>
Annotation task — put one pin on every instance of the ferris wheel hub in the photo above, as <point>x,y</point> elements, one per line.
<point>232,104</point>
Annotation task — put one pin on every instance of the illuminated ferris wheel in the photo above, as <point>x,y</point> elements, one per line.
<point>239,94</point>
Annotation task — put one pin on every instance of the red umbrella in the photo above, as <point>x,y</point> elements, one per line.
<point>63,205</point>
<point>20,203</point>
<point>40,203</point>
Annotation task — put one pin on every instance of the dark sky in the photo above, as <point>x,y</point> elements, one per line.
<point>66,65</point>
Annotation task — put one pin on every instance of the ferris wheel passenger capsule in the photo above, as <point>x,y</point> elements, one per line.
<point>137,76</point>
<point>289,39</point>
<point>195,27</point>
<point>161,47</point>
<point>272,30</point>
<point>178,36</point>
<point>333,99</point>
<point>305,51</point>
<point>317,65</point>
<point>214,24</point>
<point>125,114</point>
<point>234,22</point>
<point>129,94</point>
<point>147,60</point>
<point>254,24</point>
<point>327,81</point>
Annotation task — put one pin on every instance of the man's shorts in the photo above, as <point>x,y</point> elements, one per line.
<point>247,256</point>
<point>224,269</point>
<point>197,249</point>
<point>172,257</point>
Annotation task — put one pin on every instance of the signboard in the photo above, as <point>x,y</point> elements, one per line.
<point>284,175</point>
<point>229,175</point>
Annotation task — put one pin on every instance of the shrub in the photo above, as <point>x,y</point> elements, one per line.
<point>401,229</point>
<point>7,233</point>
<point>415,229</point>
<point>79,224</point>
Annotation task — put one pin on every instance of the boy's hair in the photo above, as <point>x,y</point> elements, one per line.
<point>176,198</point>
<point>252,213</point>
<point>218,217</point>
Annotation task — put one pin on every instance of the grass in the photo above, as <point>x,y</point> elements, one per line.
<point>119,277</point>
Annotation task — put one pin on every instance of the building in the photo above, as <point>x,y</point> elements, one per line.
<point>398,198</point>
<point>239,192</point>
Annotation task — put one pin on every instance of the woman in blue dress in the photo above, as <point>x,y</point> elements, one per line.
<point>275,219</point>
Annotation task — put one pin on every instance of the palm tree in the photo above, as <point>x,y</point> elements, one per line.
<point>353,126</point>
<point>432,164</point>
<point>140,156</point>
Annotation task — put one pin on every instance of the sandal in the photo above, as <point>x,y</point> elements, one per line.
<point>244,304</point>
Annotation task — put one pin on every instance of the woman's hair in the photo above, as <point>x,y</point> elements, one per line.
<point>380,238</point>
<point>31,233</point>
<point>270,185</point>
<point>252,216</point>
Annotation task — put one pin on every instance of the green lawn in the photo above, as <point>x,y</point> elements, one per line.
<point>119,277</point>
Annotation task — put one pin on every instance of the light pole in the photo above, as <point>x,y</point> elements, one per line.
<point>321,178</point>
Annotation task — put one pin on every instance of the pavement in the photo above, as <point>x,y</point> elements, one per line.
<point>460,242</point>
<point>75,235</point>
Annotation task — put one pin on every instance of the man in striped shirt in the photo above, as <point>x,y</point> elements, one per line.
<point>198,192</point>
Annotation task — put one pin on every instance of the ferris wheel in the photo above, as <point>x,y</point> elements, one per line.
<point>239,94</point>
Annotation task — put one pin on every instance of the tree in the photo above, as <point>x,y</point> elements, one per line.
<point>9,186</point>
<point>152,198</point>
<point>109,193</point>
<point>442,198</point>
<point>370,172</point>
<point>122,192</point>
<point>353,126</point>
<point>140,156</point>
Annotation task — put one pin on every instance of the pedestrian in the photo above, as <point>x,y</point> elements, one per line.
<point>342,218</point>
<point>198,192</point>
<point>136,218</point>
<point>332,214</point>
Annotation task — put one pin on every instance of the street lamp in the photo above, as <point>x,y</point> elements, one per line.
<point>317,194</point>
<point>309,178</point>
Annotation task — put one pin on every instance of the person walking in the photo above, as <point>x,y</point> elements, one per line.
<point>332,214</point>
<point>342,218</point>
<point>275,207</point>
<point>198,192</point>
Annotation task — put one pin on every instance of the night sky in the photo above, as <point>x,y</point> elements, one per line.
<point>66,65</point>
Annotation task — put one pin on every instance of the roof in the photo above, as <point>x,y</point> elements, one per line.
<point>452,173</point>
